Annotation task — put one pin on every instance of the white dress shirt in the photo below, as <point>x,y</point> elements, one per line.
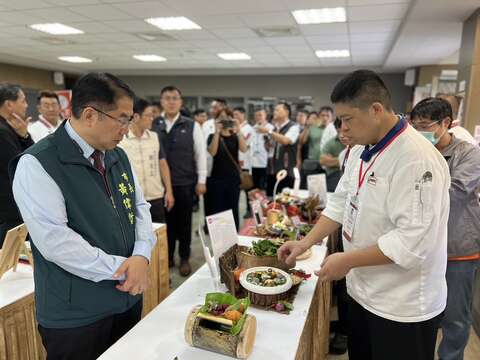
<point>403,207</point>
<point>329,133</point>
<point>245,158</point>
<point>259,152</point>
<point>41,128</point>
<point>43,210</point>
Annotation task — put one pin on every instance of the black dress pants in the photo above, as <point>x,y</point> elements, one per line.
<point>157,210</point>
<point>179,221</point>
<point>372,337</point>
<point>259,176</point>
<point>90,341</point>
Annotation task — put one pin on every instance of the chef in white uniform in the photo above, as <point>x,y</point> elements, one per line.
<point>393,203</point>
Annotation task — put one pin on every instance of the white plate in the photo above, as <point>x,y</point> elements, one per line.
<point>264,290</point>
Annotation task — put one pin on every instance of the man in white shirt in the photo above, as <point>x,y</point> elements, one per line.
<point>393,204</point>
<point>284,139</point>
<point>49,120</point>
<point>244,158</point>
<point>326,114</point>
<point>259,150</point>
<point>216,107</point>
<point>456,129</point>
<point>185,149</point>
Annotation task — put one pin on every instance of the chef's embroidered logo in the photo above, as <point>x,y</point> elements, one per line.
<point>125,189</point>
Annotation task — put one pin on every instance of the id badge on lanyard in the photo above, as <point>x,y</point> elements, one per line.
<point>351,218</point>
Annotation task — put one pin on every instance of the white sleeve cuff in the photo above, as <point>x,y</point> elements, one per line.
<point>392,247</point>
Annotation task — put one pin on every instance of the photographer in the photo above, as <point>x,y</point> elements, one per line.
<point>224,145</point>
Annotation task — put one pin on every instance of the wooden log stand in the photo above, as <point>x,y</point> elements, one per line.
<point>214,336</point>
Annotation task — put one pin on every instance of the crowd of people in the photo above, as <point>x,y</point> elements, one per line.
<point>395,175</point>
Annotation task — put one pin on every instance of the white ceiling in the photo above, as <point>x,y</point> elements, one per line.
<point>388,35</point>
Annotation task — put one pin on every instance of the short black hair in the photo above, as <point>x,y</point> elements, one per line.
<point>435,109</point>
<point>326,108</point>
<point>47,94</point>
<point>312,113</point>
<point>221,101</point>
<point>9,91</point>
<point>260,109</point>
<point>361,89</point>
<point>337,123</point>
<point>239,109</point>
<point>99,89</point>
<point>286,106</point>
<point>198,112</point>
<point>303,111</point>
<point>140,105</point>
<point>170,88</point>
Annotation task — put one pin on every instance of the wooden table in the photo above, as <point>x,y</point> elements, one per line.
<point>19,337</point>
<point>158,273</point>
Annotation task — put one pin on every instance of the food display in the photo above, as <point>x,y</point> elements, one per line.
<point>265,247</point>
<point>266,280</point>
<point>222,325</point>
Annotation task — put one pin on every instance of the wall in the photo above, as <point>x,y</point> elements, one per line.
<point>317,86</point>
<point>28,78</point>
<point>426,73</point>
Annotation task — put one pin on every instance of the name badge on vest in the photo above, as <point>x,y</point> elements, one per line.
<point>351,218</point>
<point>372,180</point>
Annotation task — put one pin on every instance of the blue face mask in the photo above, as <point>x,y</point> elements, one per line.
<point>430,136</point>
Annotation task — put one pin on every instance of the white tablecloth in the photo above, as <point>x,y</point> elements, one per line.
<point>160,335</point>
<point>16,285</point>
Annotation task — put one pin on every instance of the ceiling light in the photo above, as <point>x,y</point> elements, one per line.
<point>332,53</point>
<point>149,58</point>
<point>56,29</point>
<point>320,16</point>
<point>173,23</point>
<point>75,59</point>
<point>234,56</point>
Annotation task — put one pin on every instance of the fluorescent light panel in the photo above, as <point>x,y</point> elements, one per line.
<point>332,53</point>
<point>173,23</point>
<point>56,29</point>
<point>320,16</point>
<point>75,59</point>
<point>149,58</point>
<point>234,56</point>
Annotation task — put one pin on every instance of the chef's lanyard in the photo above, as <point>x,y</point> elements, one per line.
<point>361,174</point>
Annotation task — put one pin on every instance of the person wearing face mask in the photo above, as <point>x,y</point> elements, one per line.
<point>393,204</point>
<point>433,118</point>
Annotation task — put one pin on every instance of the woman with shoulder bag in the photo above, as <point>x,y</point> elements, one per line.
<point>225,179</point>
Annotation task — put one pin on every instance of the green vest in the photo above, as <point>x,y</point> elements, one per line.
<point>64,300</point>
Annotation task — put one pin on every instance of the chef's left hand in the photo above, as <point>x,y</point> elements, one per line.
<point>334,267</point>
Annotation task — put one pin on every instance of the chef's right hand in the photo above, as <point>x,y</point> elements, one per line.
<point>289,251</point>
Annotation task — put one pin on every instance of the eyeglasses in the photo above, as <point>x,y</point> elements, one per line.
<point>422,125</point>
<point>124,122</point>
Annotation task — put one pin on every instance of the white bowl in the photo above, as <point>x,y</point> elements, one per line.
<point>264,290</point>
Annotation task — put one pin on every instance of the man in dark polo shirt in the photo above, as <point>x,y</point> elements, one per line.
<point>184,144</point>
<point>89,222</point>
<point>14,139</point>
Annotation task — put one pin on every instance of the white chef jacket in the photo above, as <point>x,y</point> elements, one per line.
<point>404,212</point>
<point>463,134</point>
<point>245,158</point>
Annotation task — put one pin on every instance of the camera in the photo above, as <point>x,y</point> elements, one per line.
<point>227,123</point>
